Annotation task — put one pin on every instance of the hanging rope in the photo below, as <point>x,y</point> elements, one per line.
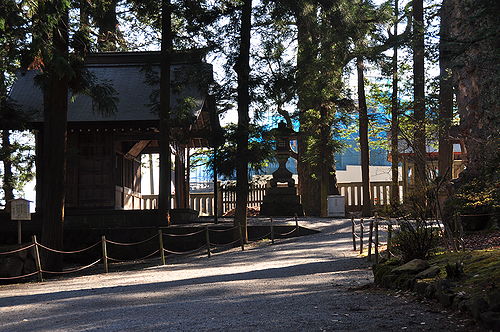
<point>184,235</point>
<point>223,230</point>
<point>218,245</point>
<point>184,252</point>
<point>17,250</point>
<point>131,243</point>
<point>68,252</point>
<point>73,270</point>
<point>19,277</point>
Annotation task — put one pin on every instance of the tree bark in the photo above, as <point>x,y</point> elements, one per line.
<point>55,122</point>
<point>445,159</point>
<point>363,140</point>
<point>165,179</point>
<point>309,187</point>
<point>395,117</point>
<point>419,148</point>
<point>474,38</point>
<point>243,72</point>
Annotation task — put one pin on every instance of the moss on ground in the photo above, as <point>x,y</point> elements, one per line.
<point>481,269</point>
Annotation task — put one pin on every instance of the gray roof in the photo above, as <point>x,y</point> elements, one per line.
<point>135,78</point>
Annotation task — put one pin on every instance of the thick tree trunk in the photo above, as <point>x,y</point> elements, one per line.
<point>445,161</point>
<point>474,37</point>
<point>309,187</point>
<point>395,118</point>
<point>164,142</point>
<point>54,161</point>
<point>419,97</point>
<point>363,140</point>
<point>243,72</point>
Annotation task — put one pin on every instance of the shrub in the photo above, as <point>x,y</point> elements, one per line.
<point>415,239</point>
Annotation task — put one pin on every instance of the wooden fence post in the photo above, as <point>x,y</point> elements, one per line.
<point>272,231</point>
<point>104,254</point>
<point>389,238</point>
<point>207,237</point>
<point>162,251</point>
<point>38,263</point>
<point>297,228</point>
<point>361,234</point>
<point>376,241</point>
<point>370,240</point>
<point>241,239</point>
<point>353,233</point>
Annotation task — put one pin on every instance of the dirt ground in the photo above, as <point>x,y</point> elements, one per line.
<point>310,283</point>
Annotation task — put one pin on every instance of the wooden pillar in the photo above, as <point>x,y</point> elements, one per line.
<point>216,189</point>
<point>187,178</point>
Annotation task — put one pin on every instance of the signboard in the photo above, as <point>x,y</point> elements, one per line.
<point>20,209</point>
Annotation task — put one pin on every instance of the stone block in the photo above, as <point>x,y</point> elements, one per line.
<point>431,272</point>
<point>413,267</point>
<point>281,191</point>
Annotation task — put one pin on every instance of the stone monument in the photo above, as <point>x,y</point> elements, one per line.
<point>282,200</point>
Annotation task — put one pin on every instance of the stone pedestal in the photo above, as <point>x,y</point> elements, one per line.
<point>281,201</point>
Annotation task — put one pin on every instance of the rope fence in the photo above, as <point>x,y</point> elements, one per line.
<point>373,235</point>
<point>106,259</point>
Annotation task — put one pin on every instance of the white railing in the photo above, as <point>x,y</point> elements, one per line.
<point>380,191</point>
<point>204,202</point>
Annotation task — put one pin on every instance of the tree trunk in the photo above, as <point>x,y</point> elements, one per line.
<point>363,140</point>
<point>55,122</point>
<point>474,37</point>
<point>324,178</point>
<point>395,118</point>
<point>8,185</point>
<point>243,72</point>
<point>419,97</point>
<point>309,187</point>
<point>164,142</point>
<point>445,161</point>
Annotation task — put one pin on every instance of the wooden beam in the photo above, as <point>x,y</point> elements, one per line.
<point>136,149</point>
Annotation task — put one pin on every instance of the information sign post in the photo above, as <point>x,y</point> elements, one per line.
<point>20,210</point>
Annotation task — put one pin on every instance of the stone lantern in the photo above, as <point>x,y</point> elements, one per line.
<point>282,201</point>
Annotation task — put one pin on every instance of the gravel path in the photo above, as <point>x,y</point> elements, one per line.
<point>296,285</point>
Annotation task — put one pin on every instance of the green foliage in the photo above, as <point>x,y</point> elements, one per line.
<point>260,151</point>
<point>415,239</point>
<point>454,271</point>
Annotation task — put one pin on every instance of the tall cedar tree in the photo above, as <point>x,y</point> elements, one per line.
<point>395,116</point>
<point>474,31</point>
<point>243,71</point>
<point>445,159</point>
<point>363,139</point>
<point>419,148</point>
<point>164,204</point>
<point>307,53</point>
<point>55,103</point>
